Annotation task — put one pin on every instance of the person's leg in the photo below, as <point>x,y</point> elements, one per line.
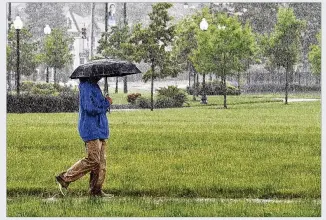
<point>83,166</point>
<point>97,177</point>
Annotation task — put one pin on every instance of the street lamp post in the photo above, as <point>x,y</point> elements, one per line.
<point>106,86</point>
<point>18,24</point>
<point>204,26</point>
<point>47,31</point>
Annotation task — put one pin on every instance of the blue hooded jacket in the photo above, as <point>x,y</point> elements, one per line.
<point>93,123</point>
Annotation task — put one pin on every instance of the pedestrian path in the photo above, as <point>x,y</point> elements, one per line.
<point>298,100</point>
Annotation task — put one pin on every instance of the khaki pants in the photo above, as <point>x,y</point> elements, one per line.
<point>95,163</point>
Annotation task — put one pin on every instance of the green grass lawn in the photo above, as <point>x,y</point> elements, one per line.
<point>253,149</point>
<point>121,98</point>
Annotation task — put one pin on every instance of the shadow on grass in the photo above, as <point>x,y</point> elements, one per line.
<point>267,192</point>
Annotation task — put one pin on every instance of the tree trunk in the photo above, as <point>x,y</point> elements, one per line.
<point>239,80</point>
<point>204,97</point>
<point>9,81</point>
<point>197,85</point>
<point>194,92</point>
<point>116,84</point>
<point>9,16</point>
<point>248,77</point>
<point>106,86</point>
<point>125,85</point>
<point>286,84</point>
<point>152,89</point>
<point>47,74</point>
<point>189,78</point>
<point>125,13</point>
<point>224,90</point>
<point>189,69</point>
<point>55,75</point>
<point>34,76</point>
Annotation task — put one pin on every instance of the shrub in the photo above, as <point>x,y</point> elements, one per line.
<point>142,102</point>
<point>214,88</point>
<point>36,90</point>
<point>46,89</point>
<point>165,102</point>
<point>27,86</point>
<point>131,98</point>
<point>170,97</point>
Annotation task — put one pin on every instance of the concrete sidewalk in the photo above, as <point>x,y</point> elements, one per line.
<point>298,100</point>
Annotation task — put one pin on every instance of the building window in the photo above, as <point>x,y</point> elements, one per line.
<point>69,23</point>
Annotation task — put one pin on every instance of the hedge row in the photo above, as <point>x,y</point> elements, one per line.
<point>27,103</point>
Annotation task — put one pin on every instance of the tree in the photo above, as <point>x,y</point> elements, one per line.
<point>315,56</point>
<point>150,45</point>
<point>247,51</point>
<point>222,47</point>
<point>56,50</point>
<point>283,46</point>
<point>110,44</point>
<point>29,58</point>
<point>185,43</point>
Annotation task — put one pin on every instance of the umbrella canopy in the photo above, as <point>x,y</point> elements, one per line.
<point>105,68</point>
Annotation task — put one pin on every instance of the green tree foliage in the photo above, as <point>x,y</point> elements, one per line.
<point>149,45</point>
<point>29,58</point>
<point>315,56</point>
<point>56,50</point>
<point>223,47</point>
<point>283,46</point>
<point>186,42</point>
<point>110,44</point>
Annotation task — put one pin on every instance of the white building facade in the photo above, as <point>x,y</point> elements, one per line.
<point>82,45</point>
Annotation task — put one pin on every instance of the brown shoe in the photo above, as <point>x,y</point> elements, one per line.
<point>63,186</point>
<point>101,194</point>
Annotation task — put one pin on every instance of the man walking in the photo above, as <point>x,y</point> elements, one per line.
<point>94,130</point>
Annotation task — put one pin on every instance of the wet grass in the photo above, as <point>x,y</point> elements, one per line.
<point>257,150</point>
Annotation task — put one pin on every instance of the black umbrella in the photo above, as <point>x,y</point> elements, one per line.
<point>105,68</point>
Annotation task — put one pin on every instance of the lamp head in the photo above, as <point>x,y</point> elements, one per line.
<point>18,24</point>
<point>47,29</point>
<point>203,25</point>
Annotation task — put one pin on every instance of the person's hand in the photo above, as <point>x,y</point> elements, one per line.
<point>109,99</point>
